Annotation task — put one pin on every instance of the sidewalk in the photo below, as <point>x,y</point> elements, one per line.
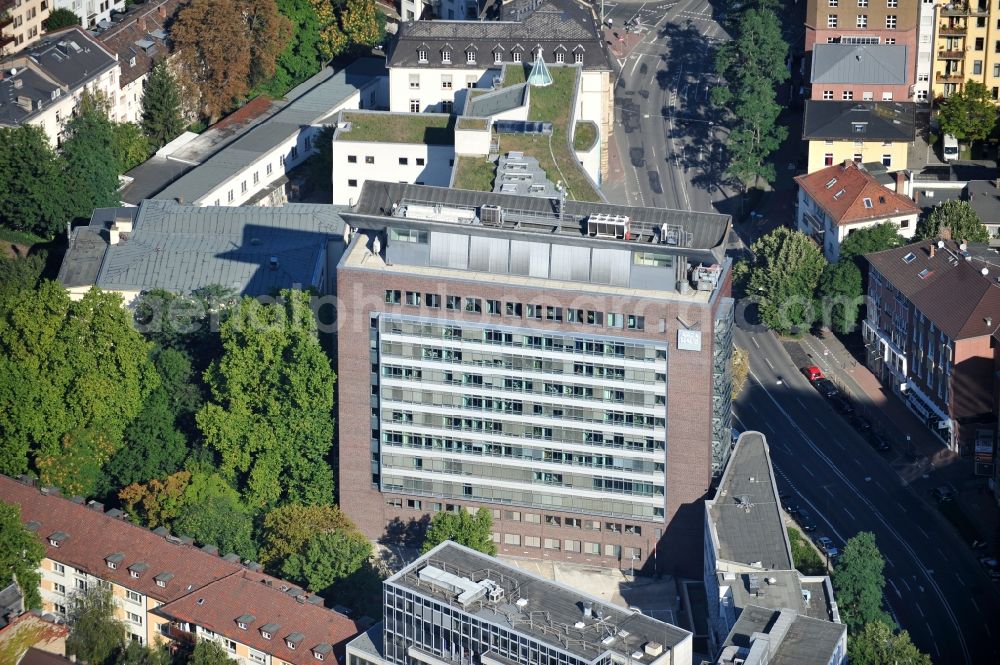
<point>924,463</point>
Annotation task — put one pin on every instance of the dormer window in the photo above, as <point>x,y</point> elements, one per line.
<point>244,620</point>
<point>268,630</point>
<point>470,57</point>
<point>422,55</point>
<point>578,58</point>
<point>131,61</point>
<point>321,650</point>
<point>293,640</point>
<point>57,538</point>
<point>137,569</point>
<point>446,56</point>
<point>497,57</point>
<point>113,560</point>
<point>162,579</point>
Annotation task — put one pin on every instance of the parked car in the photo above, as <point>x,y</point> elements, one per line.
<point>949,149</point>
<point>842,405</point>
<point>806,520</point>
<point>826,388</point>
<point>879,442</point>
<point>788,503</point>
<point>861,424</point>
<point>813,373</point>
<point>989,562</point>
<point>943,493</point>
<point>827,547</point>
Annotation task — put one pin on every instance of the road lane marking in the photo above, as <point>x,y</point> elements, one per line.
<point>902,580</point>
<point>919,528</point>
<point>874,512</point>
<point>853,518</point>
<point>806,469</point>
<point>895,588</point>
<point>804,408</point>
<point>768,361</point>
<point>919,609</point>
<point>976,605</point>
<point>901,507</point>
<point>754,340</point>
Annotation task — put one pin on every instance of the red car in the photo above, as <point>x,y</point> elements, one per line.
<point>813,373</point>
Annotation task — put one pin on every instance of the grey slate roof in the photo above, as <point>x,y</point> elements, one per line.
<point>310,103</point>
<point>708,230</point>
<point>745,515</point>
<point>795,639</point>
<point>858,121</point>
<point>984,197</point>
<point>497,101</point>
<point>63,61</point>
<point>183,248</point>
<point>554,608</point>
<point>554,26</point>
<point>876,64</point>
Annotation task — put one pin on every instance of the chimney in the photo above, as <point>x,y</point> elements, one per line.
<point>933,250</point>
<point>901,182</point>
<point>996,183</point>
<point>847,163</point>
<point>113,236</point>
<point>944,233</point>
<point>141,22</point>
<point>162,11</point>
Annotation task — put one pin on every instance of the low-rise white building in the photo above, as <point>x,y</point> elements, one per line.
<point>42,84</point>
<point>91,12</point>
<point>840,199</point>
<point>371,145</point>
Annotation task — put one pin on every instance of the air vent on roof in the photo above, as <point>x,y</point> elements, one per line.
<point>925,273</point>
<point>95,505</point>
<point>909,258</point>
<point>653,649</point>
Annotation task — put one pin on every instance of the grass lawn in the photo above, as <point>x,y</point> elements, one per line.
<point>399,128</point>
<point>466,122</point>
<point>515,73</point>
<point>586,135</point>
<point>805,559</point>
<point>22,238</point>
<point>552,104</point>
<point>475,173</point>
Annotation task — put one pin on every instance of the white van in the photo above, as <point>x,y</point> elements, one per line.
<point>950,151</point>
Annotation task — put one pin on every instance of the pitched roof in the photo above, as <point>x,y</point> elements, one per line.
<point>140,33</point>
<point>59,64</point>
<point>745,516</point>
<point>876,64</point>
<point>953,293</point>
<point>262,599</point>
<point>93,535</point>
<point>848,194</point>
<point>858,121</point>
<point>527,26</point>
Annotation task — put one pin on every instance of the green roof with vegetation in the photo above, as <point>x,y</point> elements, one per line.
<point>585,137</point>
<point>514,73</point>
<point>433,129</point>
<point>468,122</point>
<point>475,173</point>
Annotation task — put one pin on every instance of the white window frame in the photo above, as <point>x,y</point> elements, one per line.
<point>446,56</point>
<point>891,21</point>
<point>831,21</point>
<point>470,57</point>
<point>862,22</point>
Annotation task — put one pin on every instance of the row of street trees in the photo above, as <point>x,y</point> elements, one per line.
<point>752,66</point>
<point>795,287</point>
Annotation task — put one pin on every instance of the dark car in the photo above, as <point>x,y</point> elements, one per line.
<point>654,182</point>
<point>861,424</point>
<point>842,405</point>
<point>826,388</point>
<point>788,503</point>
<point>943,493</point>
<point>806,521</point>
<point>879,442</point>
<point>637,156</point>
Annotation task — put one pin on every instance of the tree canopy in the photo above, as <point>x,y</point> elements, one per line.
<point>871,239</point>
<point>60,18</point>
<point>21,272</point>
<point>222,71</point>
<point>286,529</point>
<point>786,268</point>
<point>462,527</point>
<point>858,582</point>
<point>21,552</point>
<point>207,652</point>
<point>969,114</point>
<point>32,198</point>
<point>162,120</point>
<point>327,558</point>
<point>958,216</point>
<point>138,654</point>
<point>840,295</point>
<point>877,644</point>
<point>213,514</point>
<point>70,373</point>
<point>270,415</point>
<point>96,636</point>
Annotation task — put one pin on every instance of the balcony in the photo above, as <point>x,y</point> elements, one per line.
<point>953,77</point>
<point>951,55</point>
<point>974,8</point>
<point>953,30</point>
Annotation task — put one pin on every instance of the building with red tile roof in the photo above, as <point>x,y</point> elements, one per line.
<point>144,570</point>
<point>840,199</point>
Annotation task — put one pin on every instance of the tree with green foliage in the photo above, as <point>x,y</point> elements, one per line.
<point>303,56</point>
<point>958,216</point>
<point>60,18</point>
<point>805,558</point>
<point>33,196</point>
<point>207,652</point>
<point>786,268</point>
<point>130,145</point>
<point>327,558</point>
<point>67,368</point>
<point>21,552</point>
<point>969,114</point>
<point>858,582</point>
<point>286,529</point>
<point>162,118</point>
<point>741,369</point>
<point>212,513</point>
<point>157,502</point>
<point>138,654</point>
<point>157,441</point>
<point>868,240</point>
<point>270,417</point>
<point>96,636</point>
<point>878,644</point>
<point>18,273</point>
<point>362,22</point>
<point>462,527</point>
<point>90,162</point>
<point>840,296</point>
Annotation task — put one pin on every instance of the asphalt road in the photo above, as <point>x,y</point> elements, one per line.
<point>665,128</point>
<point>936,588</point>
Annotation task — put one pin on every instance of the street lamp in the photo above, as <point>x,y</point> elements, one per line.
<point>634,559</point>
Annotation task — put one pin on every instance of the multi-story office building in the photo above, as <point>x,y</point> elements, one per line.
<point>563,364</point>
<point>455,605</point>
<point>166,589</point>
<point>21,23</point>
<point>966,46</point>
<point>863,22</point>
<point>933,308</point>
